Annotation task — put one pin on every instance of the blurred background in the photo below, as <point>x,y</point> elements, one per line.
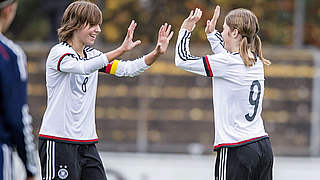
<point>167,110</point>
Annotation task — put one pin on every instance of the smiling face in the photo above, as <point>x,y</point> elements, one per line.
<point>81,20</point>
<point>88,34</point>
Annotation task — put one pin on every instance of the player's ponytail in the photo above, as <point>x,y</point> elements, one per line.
<point>244,52</point>
<point>258,50</point>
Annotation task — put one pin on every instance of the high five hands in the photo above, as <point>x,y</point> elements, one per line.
<point>190,22</point>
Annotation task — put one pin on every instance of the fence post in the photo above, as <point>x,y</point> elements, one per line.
<point>315,114</point>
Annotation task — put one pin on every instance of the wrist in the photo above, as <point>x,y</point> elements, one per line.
<point>121,50</point>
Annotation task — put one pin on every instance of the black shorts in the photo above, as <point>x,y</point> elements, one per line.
<point>252,161</point>
<point>70,161</point>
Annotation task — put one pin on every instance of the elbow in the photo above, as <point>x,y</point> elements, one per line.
<point>178,62</point>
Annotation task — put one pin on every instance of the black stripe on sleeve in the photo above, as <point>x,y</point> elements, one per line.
<point>206,66</point>
<point>61,58</point>
<point>182,48</point>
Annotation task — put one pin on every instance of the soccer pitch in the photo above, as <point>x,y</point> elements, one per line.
<point>141,166</point>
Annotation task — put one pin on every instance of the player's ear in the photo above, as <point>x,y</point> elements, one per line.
<point>7,10</point>
<point>235,33</point>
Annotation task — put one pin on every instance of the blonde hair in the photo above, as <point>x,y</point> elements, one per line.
<point>77,15</point>
<point>248,27</point>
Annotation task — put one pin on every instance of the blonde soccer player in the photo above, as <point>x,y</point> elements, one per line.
<point>67,135</point>
<point>237,71</point>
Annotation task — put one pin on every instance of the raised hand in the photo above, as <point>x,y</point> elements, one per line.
<point>164,37</point>
<point>190,22</point>
<point>128,44</point>
<point>211,24</point>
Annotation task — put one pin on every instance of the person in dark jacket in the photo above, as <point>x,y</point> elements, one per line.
<point>15,121</point>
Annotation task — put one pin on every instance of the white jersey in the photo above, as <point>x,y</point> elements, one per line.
<point>238,90</point>
<point>71,89</point>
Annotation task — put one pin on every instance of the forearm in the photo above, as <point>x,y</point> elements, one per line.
<point>216,42</point>
<point>112,55</point>
<point>182,48</point>
<point>151,57</point>
<point>183,59</point>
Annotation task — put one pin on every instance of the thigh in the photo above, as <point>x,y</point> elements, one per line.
<point>265,168</point>
<point>6,167</point>
<point>92,166</point>
<point>235,163</point>
<point>59,160</point>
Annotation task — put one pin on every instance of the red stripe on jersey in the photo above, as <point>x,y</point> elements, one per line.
<point>208,66</point>
<point>4,53</point>
<point>108,68</point>
<point>239,143</point>
<point>58,65</point>
<point>67,139</point>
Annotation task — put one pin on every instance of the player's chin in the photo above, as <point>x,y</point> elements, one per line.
<point>90,42</point>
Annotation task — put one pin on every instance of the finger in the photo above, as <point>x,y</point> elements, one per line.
<point>165,27</point>
<point>132,22</point>
<point>200,14</point>
<point>191,14</point>
<point>161,30</point>
<point>168,30</point>
<point>131,31</point>
<point>130,28</point>
<point>131,25</point>
<point>136,43</point>
<point>170,36</point>
<point>216,13</point>
<point>196,12</point>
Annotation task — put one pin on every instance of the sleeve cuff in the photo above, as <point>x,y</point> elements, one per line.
<point>212,34</point>
<point>142,63</point>
<point>105,59</point>
<point>183,30</point>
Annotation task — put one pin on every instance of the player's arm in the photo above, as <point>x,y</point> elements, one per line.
<point>209,66</point>
<point>183,58</point>
<point>214,37</point>
<point>70,63</point>
<point>15,110</point>
<point>137,66</point>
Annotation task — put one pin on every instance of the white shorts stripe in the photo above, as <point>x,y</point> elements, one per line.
<point>50,166</point>
<point>7,162</point>
<point>222,174</point>
<point>225,164</point>
<point>47,164</point>
<point>53,163</point>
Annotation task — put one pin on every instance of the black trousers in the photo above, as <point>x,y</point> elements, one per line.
<point>252,161</point>
<point>70,161</point>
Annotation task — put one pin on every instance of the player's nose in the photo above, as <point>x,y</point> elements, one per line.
<point>97,29</point>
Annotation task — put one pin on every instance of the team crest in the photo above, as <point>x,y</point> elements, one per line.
<point>63,173</point>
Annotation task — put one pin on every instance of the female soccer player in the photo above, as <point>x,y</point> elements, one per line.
<point>242,145</point>
<point>68,132</point>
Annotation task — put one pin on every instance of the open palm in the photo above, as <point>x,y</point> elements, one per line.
<point>211,24</point>
<point>190,22</point>
<point>164,37</point>
<point>128,44</point>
